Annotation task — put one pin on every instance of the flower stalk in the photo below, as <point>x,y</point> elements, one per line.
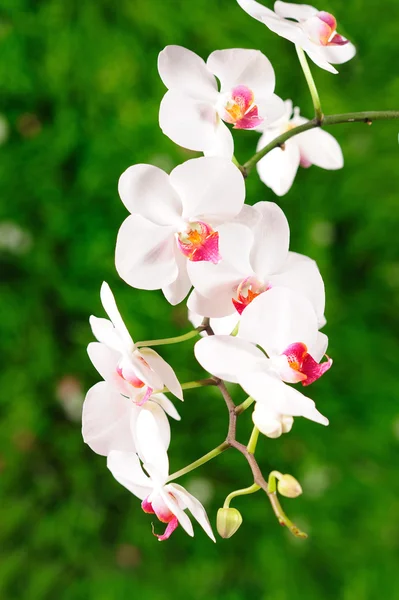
<point>353,117</point>
<point>171,340</point>
<point>311,84</point>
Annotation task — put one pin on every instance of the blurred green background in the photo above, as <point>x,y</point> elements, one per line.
<point>80,95</point>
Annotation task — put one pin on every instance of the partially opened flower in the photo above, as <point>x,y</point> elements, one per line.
<point>168,501</point>
<point>174,221</point>
<point>194,111</point>
<point>314,147</point>
<point>285,325</point>
<point>132,382</point>
<point>312,30</point>
<point>255,259</point>
<point>136,373</point>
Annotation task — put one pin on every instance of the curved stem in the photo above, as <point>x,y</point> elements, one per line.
<point>354,117</point>
<point>244,405</point>
<point>190,385</point>
<point>311,84</point>
<point>253,440</point>
<point>172,340</point>
<point>249,490</point>
<point>201,461</point>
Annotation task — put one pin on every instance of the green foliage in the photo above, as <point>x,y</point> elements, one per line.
<point>80,90</point>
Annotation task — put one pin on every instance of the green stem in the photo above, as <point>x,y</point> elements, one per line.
<point>253,440</point>
<point>172,340</point>
<point>282,517</point>
<point>249,490</point>
<point>190,385</point>
<point>311,84</point>
<point>353,117</point>
<point>201,461</point>
<point>244,405</point>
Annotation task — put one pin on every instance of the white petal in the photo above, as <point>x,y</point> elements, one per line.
<point>278,318</point>
<point>105,420</point>
<point>145,190</point>
<point>150,445</point>
<point>319,348</point>
<point>217,306</point>
<point>287,29</point>
<point>176,509</point>
<point>106,360</point>
<point>194,506</point>
<point>211,188</point>
<point>300,12</point>
<point>160,418</point>
<point>222,143</point>
<point>250,68</point>
<point>126,468</point>
<point>163,370</point>
<point>321,149</point>
<point>278,168</point>
<point>317,56</point>
<point>145,254</point>
<point>271,109</point>
<point>280,397</point>
<point>338,54</point>
<point>110,307</point>
<point>176,291</point>
<point>189,122</point>
<point>271,239</point>
<point>105,333</point>
<point>301,274</point>
<point>183,70</point>
<point>228,357</point>
<point>256,9</point>
<point>166,404</point>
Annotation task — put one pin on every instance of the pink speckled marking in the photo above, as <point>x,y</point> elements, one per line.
<point>300,360</point>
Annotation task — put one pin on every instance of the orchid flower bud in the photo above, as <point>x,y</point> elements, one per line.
<point>228,521</point>
<point>288,486</point>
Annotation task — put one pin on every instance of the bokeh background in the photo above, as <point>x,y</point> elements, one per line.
<point>79,102</point>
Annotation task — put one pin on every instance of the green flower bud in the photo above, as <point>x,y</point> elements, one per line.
<point>228,521</point>
<point>288,486</point>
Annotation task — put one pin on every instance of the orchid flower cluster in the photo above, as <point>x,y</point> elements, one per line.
<point>257,307</point>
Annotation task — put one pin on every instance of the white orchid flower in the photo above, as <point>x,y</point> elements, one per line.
<point>285,325</point>
<point>168,501</point>
<point>194,111</point>
<point>174,221</point>
<point>314,147</point>
<point>255,259</point>
<point>312,30</point>
<point>133,379</point>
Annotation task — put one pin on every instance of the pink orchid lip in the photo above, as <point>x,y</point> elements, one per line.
<point>301,361</point>
<point>199,242</point>
<point>321,29</point>
<point>132,379</point>
<point>249,289</point>
<point>240,109</point>
<point>165,516</point>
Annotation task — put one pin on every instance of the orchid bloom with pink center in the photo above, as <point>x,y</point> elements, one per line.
<point>312,30</point>
<point>256,258</point>
<point>133,379</point>
<point>175,221</point>
<point>194,111</point>
<point>282,323</point>
<point>314,147</point>
<point>167,501</point>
